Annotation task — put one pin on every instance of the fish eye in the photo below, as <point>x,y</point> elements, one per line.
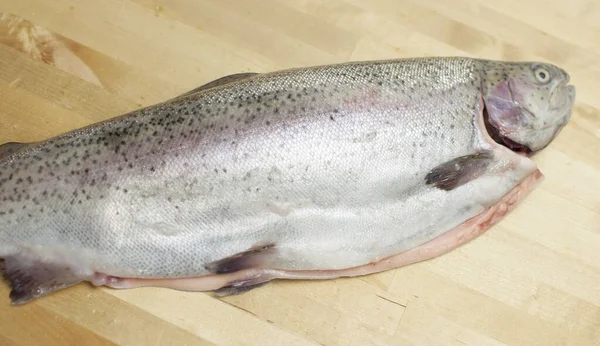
<point>541,74</point>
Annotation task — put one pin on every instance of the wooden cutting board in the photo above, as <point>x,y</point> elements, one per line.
<point>532,280</point>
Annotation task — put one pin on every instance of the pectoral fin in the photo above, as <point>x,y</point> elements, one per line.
<point>459,171</point>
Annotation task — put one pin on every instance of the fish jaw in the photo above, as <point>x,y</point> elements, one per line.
<point>250,278</point>
<point>523,112</point>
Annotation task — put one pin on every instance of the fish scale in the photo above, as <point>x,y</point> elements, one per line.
<point>328,165</point>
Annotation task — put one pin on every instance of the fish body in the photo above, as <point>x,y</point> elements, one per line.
<point>308,170</point>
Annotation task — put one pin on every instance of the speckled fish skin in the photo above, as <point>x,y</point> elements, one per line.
<point>327,163</point>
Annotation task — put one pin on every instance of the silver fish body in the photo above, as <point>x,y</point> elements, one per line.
<point>332,167</point>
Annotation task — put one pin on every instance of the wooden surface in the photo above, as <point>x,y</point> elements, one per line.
<point>532,280</point>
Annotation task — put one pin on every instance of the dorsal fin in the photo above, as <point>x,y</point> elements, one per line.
<point>221,81</point>
<point>9,148</point>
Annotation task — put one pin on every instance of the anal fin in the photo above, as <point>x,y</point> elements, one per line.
<point>30,279</point>
<point>459,171</point>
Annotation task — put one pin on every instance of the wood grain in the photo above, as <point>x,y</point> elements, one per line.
<point>532,280</point>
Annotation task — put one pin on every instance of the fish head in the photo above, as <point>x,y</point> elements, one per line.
<point>526,104</point>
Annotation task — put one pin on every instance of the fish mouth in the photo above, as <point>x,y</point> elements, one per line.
<point>496,135</point>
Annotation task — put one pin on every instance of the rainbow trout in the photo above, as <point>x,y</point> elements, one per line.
<point>307,173</point>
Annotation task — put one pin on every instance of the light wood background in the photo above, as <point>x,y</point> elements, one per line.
<point>532,280</point>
